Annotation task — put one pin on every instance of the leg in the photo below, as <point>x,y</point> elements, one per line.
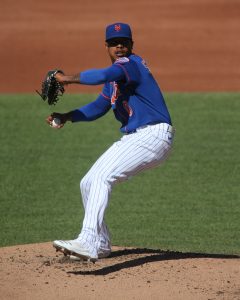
<point>132,154</point>
<point>86,186</point>
<point>146,148</point>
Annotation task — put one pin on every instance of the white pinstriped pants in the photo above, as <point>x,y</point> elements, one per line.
<point>146,148</point>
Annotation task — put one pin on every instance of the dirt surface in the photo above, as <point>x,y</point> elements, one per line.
<point>38,272</point>
<point>190,45</point>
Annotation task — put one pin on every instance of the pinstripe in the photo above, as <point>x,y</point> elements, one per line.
<point>135,162</point>
<point>134,153</point>
<point>111,162</point>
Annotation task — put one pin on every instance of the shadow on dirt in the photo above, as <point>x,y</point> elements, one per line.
<point>155,255</point>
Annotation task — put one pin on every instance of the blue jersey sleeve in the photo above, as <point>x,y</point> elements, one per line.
<point>100,76</point>
<point>93,110</point>
<point>130,69</point>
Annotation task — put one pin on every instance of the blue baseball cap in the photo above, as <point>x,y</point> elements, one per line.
<point>118,30</point>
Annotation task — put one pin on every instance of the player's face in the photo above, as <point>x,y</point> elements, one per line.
<point>119,47</point>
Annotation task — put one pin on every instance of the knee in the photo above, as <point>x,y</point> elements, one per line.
<point>88,181</point>
<point>85,184</point>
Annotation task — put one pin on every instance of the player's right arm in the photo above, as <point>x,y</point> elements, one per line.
<point>93,110</point>
<point>88,112</point>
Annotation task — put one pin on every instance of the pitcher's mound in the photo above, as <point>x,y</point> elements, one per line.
<point>36,271</point>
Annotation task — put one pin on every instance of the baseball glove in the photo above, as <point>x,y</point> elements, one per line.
<point>51,88</point>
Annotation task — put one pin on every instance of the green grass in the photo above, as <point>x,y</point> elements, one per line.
<point>191,203</point>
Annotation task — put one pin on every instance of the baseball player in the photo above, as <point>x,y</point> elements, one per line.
<point>135,98</point>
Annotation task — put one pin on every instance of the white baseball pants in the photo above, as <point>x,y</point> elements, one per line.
<point>146,148</point>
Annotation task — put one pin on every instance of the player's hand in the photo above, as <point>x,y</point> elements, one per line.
<point>60,77</point>
<point>56,120</point>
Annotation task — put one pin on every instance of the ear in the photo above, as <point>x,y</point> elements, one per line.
<point>132,45</point>
<point>106,47</point>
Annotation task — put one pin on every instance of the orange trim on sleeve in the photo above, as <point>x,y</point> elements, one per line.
<point>105,96</point>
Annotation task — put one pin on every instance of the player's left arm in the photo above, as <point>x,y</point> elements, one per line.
<point>93,77</point>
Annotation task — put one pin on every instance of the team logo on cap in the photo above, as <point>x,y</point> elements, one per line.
<point>117,27</point>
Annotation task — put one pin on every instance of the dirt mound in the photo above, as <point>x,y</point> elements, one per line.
<point>36,271</point>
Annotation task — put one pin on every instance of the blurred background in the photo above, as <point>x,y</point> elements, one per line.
<point>189,45</point>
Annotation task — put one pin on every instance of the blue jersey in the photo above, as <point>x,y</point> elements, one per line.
<point>130,90</point>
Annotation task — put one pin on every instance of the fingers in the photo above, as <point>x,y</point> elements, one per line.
<point>49,120</point>
<point>60,77</point>
<point>55,120</point>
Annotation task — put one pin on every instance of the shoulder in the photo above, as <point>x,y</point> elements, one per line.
<point>140,62</point>
<point>122,60</point>
<point>130,67</point>
<point>128,62</point>
<point>133,60</point>
<point>130,59</point>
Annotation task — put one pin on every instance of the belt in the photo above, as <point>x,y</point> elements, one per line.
<point>164,126</point>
